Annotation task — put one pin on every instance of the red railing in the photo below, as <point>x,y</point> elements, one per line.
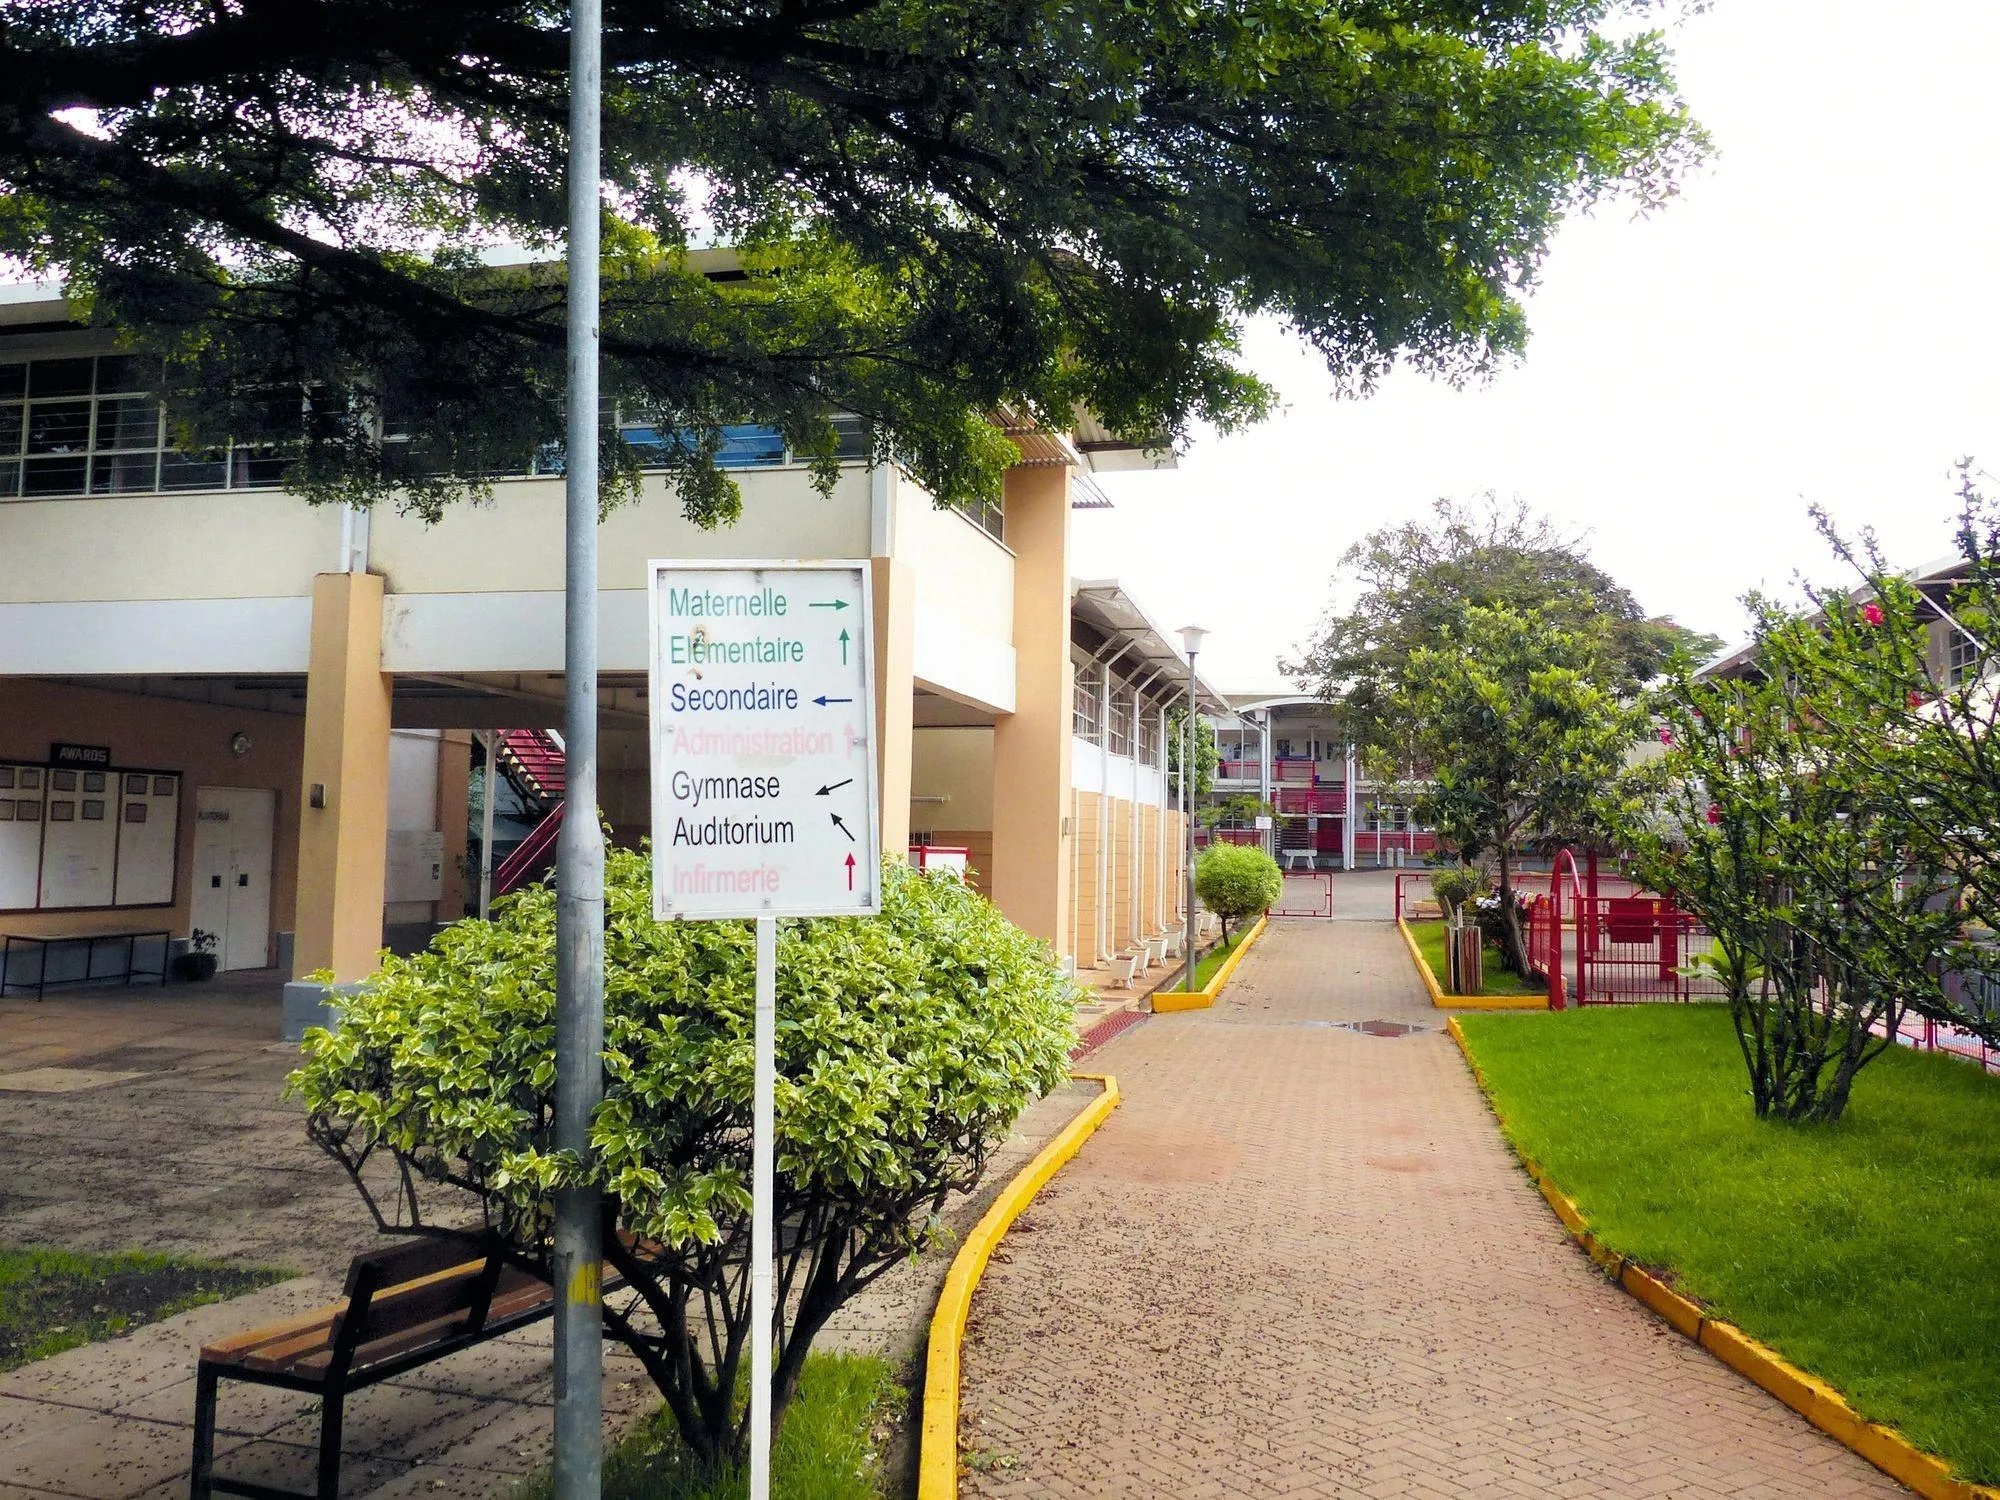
<point>1316,801</point>
<point>531,856</point>
<point>1307,893</point>
<point>941,857</point>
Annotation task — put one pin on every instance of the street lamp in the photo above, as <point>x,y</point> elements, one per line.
<point>1191,638</point>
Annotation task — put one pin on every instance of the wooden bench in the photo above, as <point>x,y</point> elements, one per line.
<point>405,1307</point>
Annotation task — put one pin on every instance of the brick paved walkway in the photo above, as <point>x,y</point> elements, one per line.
<point>1300,1261</point>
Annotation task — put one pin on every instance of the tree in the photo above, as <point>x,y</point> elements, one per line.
<point>909,1043</point>
<point>939,213</point>
<point>1520,738</point>
<point>1414,583</point>
<point>1236,880</point>
<point>1239,807</point>
<point>1893,690</point>
<point>1792,854</point>
<point>1206,757</point>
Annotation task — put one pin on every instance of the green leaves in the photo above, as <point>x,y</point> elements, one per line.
<point>906,1044</point>
<point>939,209</point>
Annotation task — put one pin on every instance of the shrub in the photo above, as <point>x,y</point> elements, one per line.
<point>907,1044</point>
<point>1235,880</point>
<point>1454,887</point>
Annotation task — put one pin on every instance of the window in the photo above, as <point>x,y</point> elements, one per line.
<point>1118,732</point>
<point>1149,737</point>
<point>86,425</point>
<point>988,515</point>
<point>1961,656</point>
<point>1084,714</point>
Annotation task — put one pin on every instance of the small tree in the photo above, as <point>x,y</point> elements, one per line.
<point>907,1045</point>
<point>1794,862</point>
<point>1206,757</point>
<point>1235,880</point>
<point>1519,737</point>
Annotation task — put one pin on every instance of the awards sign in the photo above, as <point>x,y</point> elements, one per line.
<point>762,712</point>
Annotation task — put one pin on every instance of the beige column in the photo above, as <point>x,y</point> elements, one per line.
<point>344,811</point>
<point>894,586</point>
<point>1031,786</point>
<point>453,796</point>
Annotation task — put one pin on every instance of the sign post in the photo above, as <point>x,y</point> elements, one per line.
<point>762,710</point>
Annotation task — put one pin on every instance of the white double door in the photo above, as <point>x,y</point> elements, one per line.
<point>233,833</point>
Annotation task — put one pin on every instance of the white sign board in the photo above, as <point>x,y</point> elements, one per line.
<point>416,866</point>
<point>762,712</point>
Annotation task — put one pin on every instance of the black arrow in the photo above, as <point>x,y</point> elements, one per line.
<point>841,826</point>
<point>834,788</point>
<point>822,700</point>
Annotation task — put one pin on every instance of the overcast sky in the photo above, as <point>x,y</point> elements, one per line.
<point>1815,319</point>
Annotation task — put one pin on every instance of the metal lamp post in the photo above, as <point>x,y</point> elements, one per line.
<point>579,1252</point>
<point>1191,638</point>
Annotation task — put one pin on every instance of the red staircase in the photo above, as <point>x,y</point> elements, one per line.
<point>533,760</point>
<point>532,856</point>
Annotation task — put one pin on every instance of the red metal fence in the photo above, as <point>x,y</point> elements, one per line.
<point>1307,893</point>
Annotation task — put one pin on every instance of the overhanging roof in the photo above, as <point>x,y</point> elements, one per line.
<point>1142,647</point>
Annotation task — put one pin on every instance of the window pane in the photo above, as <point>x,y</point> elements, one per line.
<point>127,372</point>
<point>55,476</point>
<point>128,422</point>
<point>14,379</point>
<point>750,446</point>
<point>60,377</point>
<point>256,468</point>
<point>853,441</point>
<point>10,477</point>
<point>193,471</point>
<point>124,473</point>
<point>58,426</point>
<point>12,414</point>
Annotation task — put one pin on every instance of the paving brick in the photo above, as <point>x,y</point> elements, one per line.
<point>1301,1261</point>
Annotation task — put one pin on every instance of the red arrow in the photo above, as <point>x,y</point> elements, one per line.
<point>850,872</point>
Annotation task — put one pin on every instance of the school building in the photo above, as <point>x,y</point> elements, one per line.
<point>223,709</point>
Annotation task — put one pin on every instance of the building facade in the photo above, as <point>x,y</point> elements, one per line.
<point>268,707</point>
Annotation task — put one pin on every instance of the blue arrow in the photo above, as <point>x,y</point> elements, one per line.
<point>823,700</point>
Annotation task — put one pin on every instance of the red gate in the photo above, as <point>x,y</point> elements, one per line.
<point>1307,893</point>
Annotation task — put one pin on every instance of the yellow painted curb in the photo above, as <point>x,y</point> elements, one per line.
<point>937,1462</point>
<point>1201,999</point>
<point>1809,1396</point>
<point>1463,1002</point>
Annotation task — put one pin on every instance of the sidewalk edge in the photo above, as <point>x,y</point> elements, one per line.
<point>1204,997</point>
<point>937,1461</point>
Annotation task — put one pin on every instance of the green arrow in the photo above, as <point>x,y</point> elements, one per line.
<point>843,645</point>
<point>828,604</point>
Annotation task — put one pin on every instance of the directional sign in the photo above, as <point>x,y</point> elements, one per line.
<point>763,725</point>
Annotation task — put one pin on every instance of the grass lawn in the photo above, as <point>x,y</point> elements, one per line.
<point>829,1448</point>
<point>1864,1252</point>
<point>1208,963</point>
<point>1495,979</point>
<point>52,1300</point>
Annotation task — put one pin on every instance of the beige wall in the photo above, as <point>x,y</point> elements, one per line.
<point>160,734</point>
<point>1103,880</point>
<point>254,545</point>
<point>951,779</point>
<point>516,542</point>
<point>961,571</point>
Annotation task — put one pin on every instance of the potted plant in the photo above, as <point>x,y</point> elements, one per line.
<point>199,962</point>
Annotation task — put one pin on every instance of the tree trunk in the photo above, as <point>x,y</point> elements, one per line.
<point>1510,916</point>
